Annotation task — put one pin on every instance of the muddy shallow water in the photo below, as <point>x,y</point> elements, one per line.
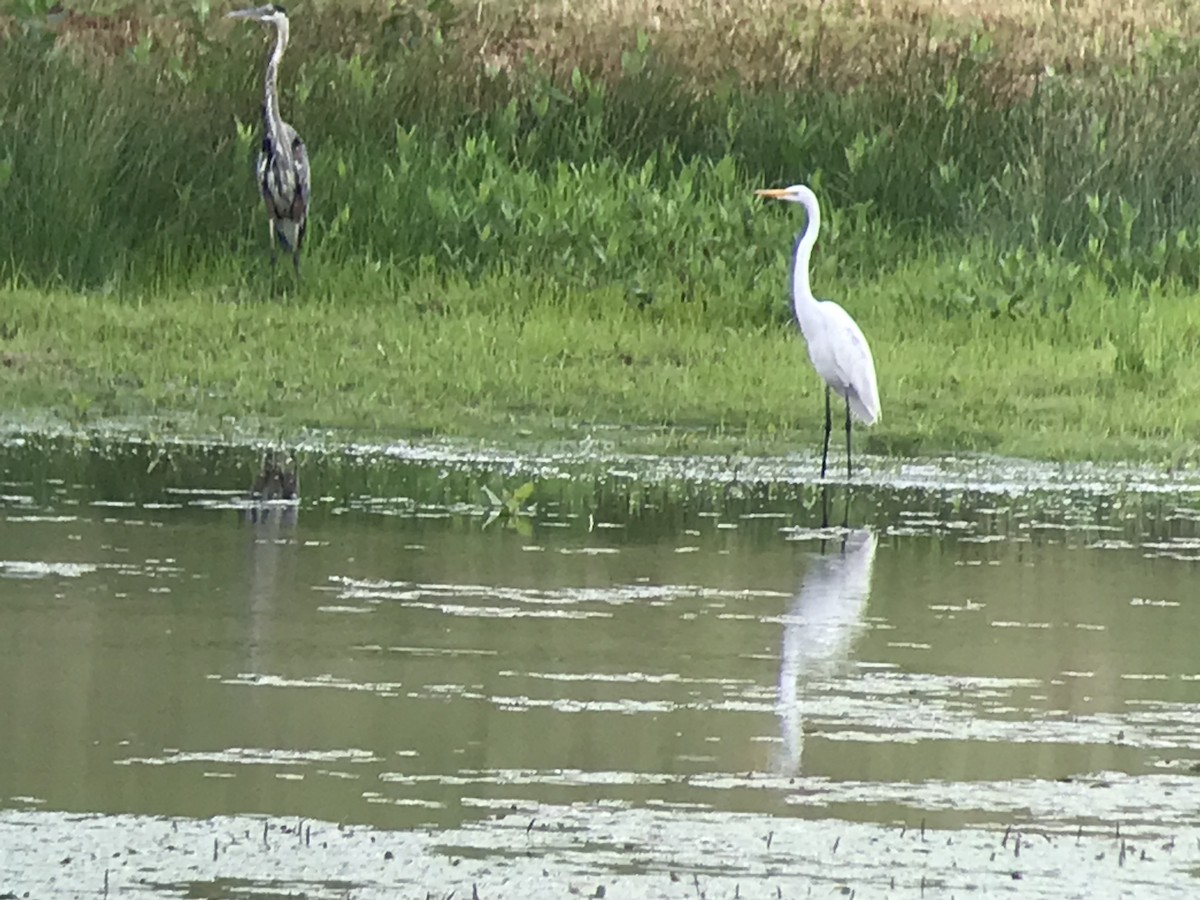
<point>648,678</point>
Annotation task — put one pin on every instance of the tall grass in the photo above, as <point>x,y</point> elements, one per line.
<point>538,216</point>
<point>447,141</point>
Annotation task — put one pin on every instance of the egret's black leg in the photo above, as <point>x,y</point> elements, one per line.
<point>846,513</point>
<point>848,473</point>
<point>825,505</point>
<point>828,428</point>
<point>296,263</point>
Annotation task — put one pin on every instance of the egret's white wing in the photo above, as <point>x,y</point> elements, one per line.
<point>842,357</point>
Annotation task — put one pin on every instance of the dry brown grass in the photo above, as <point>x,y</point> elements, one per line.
<point>97,38</point>
<point>1082,16</point>
<point>843,42</point>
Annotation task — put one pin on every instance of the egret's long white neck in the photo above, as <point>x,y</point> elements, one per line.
<point>273,121</point>
<point>802,298</point>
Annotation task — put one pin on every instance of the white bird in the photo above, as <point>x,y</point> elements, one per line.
<point>836,345</point>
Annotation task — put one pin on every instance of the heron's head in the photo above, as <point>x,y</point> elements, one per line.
<point>272,13</point>
<point>797,193</point>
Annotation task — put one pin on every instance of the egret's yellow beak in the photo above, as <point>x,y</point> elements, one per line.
<point>773,193</point>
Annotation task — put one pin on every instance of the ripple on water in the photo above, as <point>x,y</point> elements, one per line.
<point>253,679</point>
<point>36,569</point>
<point>262,756</point>
<point>527,602</point>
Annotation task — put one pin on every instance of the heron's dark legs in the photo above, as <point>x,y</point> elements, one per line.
<point>299,246</point>
<point>825,505</point>
<point>271,242</point>
<point>828,428</point>
<point>848,472</point>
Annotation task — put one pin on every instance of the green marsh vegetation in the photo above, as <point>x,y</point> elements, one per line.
<point>530,221</point>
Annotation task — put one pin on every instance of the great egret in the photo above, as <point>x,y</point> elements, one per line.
<point>282,167</point>
<point>836,345</point>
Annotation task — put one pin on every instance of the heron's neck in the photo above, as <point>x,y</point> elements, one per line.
<point>272,120</point>
<point>802,298</point>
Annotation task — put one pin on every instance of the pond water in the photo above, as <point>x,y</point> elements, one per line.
<point>647,678</point>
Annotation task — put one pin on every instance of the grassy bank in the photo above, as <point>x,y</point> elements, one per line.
<point>535,221</point>
<point>450,359</point>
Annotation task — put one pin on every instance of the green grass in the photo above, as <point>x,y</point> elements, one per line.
<point>512,358</point>
<point>541,242</point>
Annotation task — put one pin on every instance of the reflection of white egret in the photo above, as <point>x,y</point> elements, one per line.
<point>821,625</point>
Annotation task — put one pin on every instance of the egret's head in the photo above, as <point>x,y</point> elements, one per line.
<point>273,14</point>
<point>797,193</point>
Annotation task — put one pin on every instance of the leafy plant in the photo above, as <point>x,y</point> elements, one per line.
<point>513,509</point>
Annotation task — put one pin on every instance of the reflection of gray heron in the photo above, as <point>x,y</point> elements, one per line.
<point>836,344</point>
<point>271,526</point>
<point>282,166</point>
<point>821,625</point>
<point>276,481</point>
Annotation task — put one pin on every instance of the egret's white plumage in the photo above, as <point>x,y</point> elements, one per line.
<point>836,345</point>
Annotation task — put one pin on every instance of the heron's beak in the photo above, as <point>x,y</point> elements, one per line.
<point>773,193</point>
<point>244,14</point>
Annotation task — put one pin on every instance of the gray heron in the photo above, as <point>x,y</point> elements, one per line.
<point>282,167</point>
